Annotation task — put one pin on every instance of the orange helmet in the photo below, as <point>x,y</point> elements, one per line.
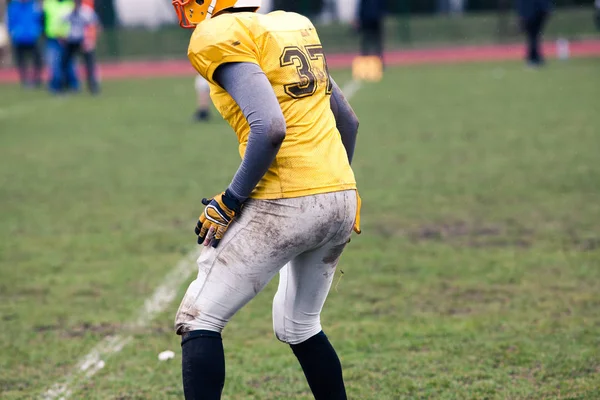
<point>192,12</point>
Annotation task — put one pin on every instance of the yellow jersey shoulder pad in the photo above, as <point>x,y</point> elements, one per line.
<point>224,39</point>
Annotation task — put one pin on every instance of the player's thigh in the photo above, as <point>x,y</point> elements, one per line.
<point>236,271</point>
<point>304,284</point>
<point>227,280</point>
<point>305,281</point>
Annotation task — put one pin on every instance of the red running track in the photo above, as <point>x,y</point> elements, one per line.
<point>448,55</point>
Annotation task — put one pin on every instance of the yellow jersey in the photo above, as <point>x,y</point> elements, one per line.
<point>312,158</point>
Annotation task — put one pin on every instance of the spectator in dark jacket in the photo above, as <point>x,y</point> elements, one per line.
<point>24,18</point>
<point>533,15</point>
<point>598,14</point>
<point>370,23</point>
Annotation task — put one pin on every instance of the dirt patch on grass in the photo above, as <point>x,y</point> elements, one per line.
<point>469,234</point>
<point>88,292</point>
<point>8,384</point>
<point>589,244</point>
<point>160,330</point>
<point>509,233</point>
<point>9,317</point>
<point>481,295</point>
<point>451,300</point>
<point>102,329</point>
<point>454,229</point>
<point>257,383</point>
<point>33,291</point>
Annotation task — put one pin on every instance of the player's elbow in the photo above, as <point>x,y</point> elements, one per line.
<point>277,130</point>
<point>354,123</point>
<point>351,124</point>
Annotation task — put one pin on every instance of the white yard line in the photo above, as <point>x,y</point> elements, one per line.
<point>351,88</point>
<point>95,360</point>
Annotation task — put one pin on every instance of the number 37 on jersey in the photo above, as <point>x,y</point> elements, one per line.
<point>311,66</point>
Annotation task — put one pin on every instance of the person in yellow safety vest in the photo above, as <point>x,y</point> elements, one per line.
<point>56,29</point>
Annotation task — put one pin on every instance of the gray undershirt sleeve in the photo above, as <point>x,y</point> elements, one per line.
<point>345,120</point>
<point>248,85</point>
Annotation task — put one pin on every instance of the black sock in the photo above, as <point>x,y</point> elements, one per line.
<point>203,365</point>
<point>321,367</point>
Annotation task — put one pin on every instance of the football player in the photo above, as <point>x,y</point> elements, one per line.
<point>291,206</point>
<point>202,99</point>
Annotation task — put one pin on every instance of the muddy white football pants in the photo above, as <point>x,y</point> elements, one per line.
<point>301,238</point>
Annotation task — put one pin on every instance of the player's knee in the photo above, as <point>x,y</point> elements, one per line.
<point>295,332</point>
<point>187,320</point>
<point>190,317</point>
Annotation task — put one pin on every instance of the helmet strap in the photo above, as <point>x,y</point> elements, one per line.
<point>211,9</point>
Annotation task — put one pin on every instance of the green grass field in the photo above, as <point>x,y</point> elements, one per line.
<point>477,275</point>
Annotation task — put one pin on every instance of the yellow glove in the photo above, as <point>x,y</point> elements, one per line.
<point>216,218</point>
<point>357,218</point>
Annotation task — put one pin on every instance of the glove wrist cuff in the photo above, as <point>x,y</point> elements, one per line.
<point>231,201</point>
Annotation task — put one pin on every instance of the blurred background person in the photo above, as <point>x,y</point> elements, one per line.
<point>202,99</point>
<point>598,14</point>
<point>56,30</point>
<point>370,24</point>
<point>451,6</point>
<point>24,20</point>
<point>3,44</point>
<point>89,43</point>
<point>82,18</point>
<point>533,15</point>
